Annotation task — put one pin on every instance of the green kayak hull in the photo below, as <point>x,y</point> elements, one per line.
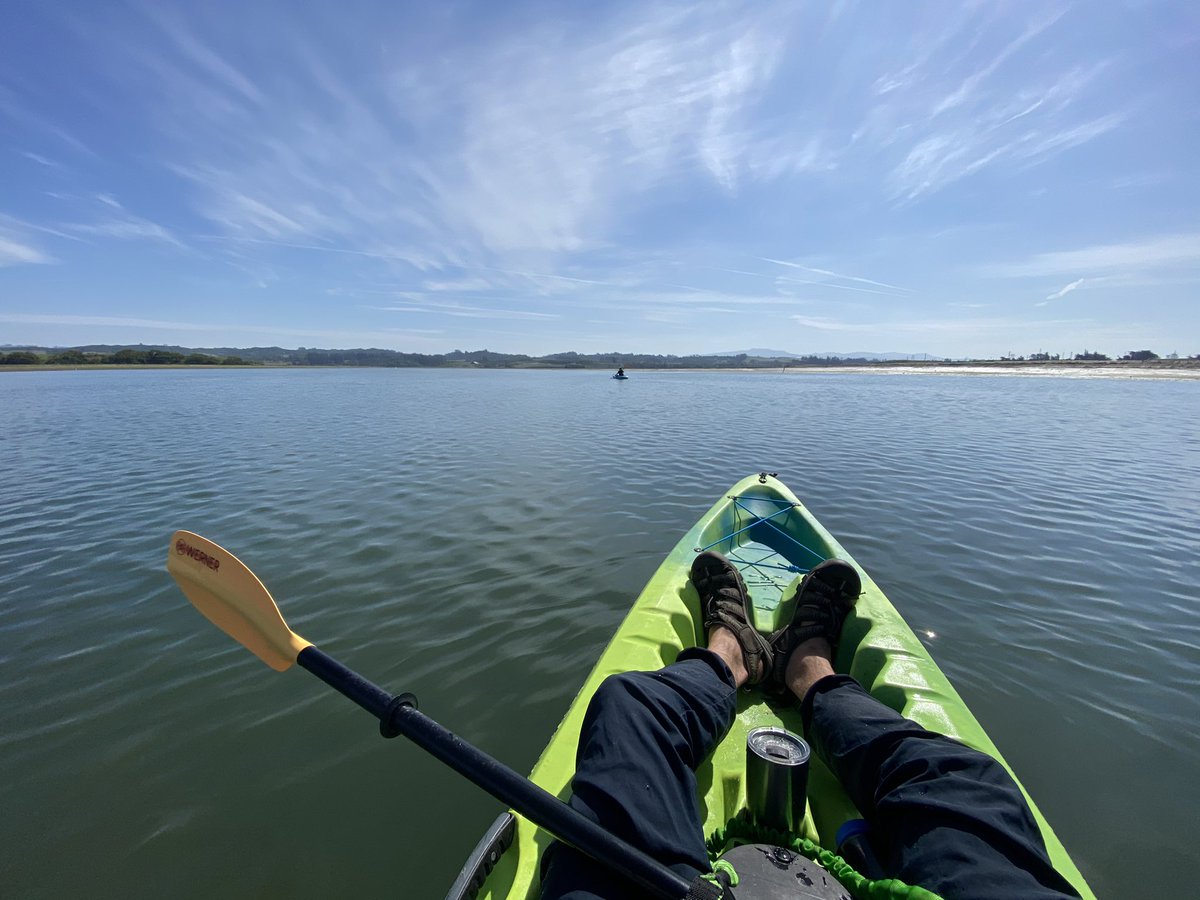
<point>773,539</point>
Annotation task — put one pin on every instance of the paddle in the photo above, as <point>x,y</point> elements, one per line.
<point>232,598</point>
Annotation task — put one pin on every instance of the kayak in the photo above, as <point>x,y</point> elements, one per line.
<point>767,532</point>
<point>621,377</point>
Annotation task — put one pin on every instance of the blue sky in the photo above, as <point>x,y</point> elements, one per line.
<point>960,179</point>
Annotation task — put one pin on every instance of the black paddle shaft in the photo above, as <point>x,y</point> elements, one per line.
<point>399,715</point>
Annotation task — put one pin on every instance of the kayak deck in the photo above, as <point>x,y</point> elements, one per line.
<point>765,530</point>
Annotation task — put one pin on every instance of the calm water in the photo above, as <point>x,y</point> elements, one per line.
<point>476,536</point>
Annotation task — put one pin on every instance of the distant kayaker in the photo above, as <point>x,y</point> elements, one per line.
<point>942,815</point>
<point>620,373</point>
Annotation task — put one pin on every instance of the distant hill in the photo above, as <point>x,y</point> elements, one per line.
<point>282,355</point>
<point>760,352</point>
<point>171,354</point>
<point>863,354</point>
<point>257,354</point>
<point>854,354</point>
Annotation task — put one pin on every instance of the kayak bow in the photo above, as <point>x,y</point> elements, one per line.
<point>773,539</point>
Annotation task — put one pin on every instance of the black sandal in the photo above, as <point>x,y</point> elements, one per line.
<point>824,599</point>
<point>725,601</point>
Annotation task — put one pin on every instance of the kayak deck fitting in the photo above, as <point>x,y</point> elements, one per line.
<point>773,540</point>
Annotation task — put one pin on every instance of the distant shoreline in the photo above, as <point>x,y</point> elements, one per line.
<point>1040,370</point>
<point>164,356</point>
<point>1178,369</point>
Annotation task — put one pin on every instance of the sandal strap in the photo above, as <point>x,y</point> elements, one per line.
<point>756,651</point>
<point>816,620</point>
<point>821,609</point>
<point>725,602</point>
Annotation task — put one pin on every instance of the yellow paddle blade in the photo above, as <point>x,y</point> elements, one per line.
<point>233,599</point>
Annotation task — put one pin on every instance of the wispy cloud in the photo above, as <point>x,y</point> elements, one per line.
<point>125,228</point>
<point>1066,289</point>
<point>15,253</point>
<point>13,108</point>
<point>834,275</point>
<point>459,285</point>
<point>133,322</point>
<point>205,62</point>
<point>117,223</point>
<point>826,324</point>
<point>1140,180</point>
<point>1165,251</point>
<point>16,246</point>
<point>949,156</point>
<point>537,161</point>
<point>543,276</point>
<point>468,312</point>
<point>1036,113</point>
<point>971,83</point>
<point>41,160</point>
<point>583,121</point>
<point>582,125</point>
<point>17,229</point>
<point>1011,328</point>
<point>101,321</point>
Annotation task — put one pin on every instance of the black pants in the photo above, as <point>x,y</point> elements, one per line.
<point>942,815</point>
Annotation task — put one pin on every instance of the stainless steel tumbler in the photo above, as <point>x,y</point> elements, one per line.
<point>776,778</point>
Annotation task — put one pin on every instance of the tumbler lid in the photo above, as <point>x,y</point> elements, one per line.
<point>777,745</point>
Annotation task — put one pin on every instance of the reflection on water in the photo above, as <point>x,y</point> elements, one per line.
<point>476,536</point>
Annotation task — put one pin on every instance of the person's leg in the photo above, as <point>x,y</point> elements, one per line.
<point>642,737</point>
<point>942,815</point>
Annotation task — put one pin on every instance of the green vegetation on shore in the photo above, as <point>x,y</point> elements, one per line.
<point>126,356</point>
<point>141,355</point>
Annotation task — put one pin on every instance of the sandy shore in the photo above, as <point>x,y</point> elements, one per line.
<point>1176,370</point>
<point>1185,374</point>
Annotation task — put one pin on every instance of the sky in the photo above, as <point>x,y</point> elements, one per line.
<point>963,179</point>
